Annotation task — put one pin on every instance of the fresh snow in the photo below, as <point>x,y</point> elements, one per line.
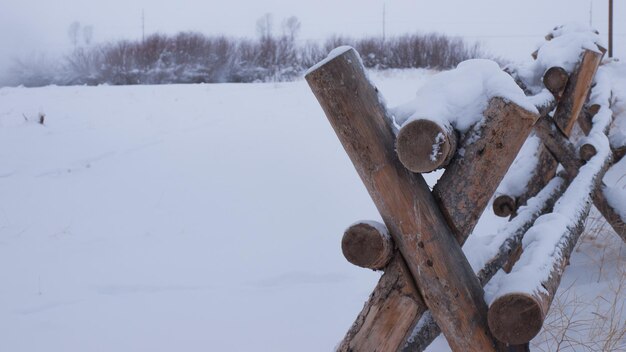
<point>331,55</point>
<point>563,50</point>
<point>175,217</point>
<point>457,98</point>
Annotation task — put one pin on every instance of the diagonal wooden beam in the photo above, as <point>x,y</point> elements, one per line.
<point>443,276</point>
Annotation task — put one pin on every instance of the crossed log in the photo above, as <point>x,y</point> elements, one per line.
<point>431,270</point>
<point>427,286</point>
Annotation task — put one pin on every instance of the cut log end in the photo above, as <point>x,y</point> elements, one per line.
<point>424,146</point>
<point>555,80</point>
<point>587,151</point>
<point>364,245</point>
<point>515,318</point>
<point>504,205</point>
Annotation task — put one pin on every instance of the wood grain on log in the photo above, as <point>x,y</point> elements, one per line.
<point>576,91</point>
<point>391,311</point>
<point>365,245</point>
<point>504,205</point>
<point>442,274</point>
<point>587,151</point>
<point>555,79</point>
<point>586,117</point>
<point>427,330</point>
<point>483,164</point>
<point>424,145</point>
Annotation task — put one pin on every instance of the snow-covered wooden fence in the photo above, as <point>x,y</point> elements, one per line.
<point>473,121</point>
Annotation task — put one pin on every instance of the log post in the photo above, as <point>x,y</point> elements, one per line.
<point>424,145</point>
<point>515,316</point>
<point>555,80</point>
<point>427,329</point>
<point>483,164</point>
<point>442,274</point>
<point>367,244</point>
<point>576,91</point>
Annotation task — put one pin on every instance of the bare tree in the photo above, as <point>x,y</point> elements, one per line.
<point>264,26</point>
<point>87,34</point>
<point>291,27</point>
<point>73,32</point>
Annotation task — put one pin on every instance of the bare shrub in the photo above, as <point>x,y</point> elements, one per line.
<point>191,57</point>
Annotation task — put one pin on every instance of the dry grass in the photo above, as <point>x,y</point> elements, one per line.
<point>589,314</point>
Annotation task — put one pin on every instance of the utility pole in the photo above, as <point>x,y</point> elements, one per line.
<point>143,26</point>
<point>384,21</point>
<point>610,28</point>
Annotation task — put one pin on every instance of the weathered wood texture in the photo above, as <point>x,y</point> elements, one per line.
<point>543,173</point>
<point>365,245</point>
<point>424,333</point>
<point>483,164</point>
<point>424,145</point>
<point>576,91</point>
<point>586,117</point>
<point>504,205</point>
<point>565,153</point>
<point>555,80</point>
<point>389,313</point>
<point>516,318</point>
<point>405,203</point>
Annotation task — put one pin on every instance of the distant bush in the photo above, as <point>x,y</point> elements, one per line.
<point>190,57</point>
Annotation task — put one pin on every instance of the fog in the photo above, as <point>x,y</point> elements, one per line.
<point>30,28</point>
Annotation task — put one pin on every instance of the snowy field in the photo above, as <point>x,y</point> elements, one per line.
<point>208,218</point>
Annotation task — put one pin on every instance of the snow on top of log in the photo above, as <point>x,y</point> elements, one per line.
<point>521,171</point>
<point>567,43</point>
<point>563,48</point>
<point>380,227</point>
<point>457,98</point>
<point>331,55</point>
<point>543,243</point>
<point>480,248</point>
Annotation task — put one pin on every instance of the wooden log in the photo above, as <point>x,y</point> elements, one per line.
<point>585,119</point>
<point>516,317</point>
<point>436,263</point>
<point>367,244</point>
<point>587,151</point>
<point>391,310</point>
<point>427,329</point>
<point>483,165</point>
<point>555,79</point>
<point>543,173</point>
<point>576,91</point>
<point>424,145</point>
<point>565,153</point>
<point>504,205</point>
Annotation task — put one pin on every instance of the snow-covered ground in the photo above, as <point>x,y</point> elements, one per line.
<point>200,218</point>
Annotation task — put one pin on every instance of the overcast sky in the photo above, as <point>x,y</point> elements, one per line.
<point>508,28</point>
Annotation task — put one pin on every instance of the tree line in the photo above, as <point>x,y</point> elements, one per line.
<point>191,57</point>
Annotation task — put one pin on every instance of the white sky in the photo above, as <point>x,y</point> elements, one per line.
<point>508,28</point>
